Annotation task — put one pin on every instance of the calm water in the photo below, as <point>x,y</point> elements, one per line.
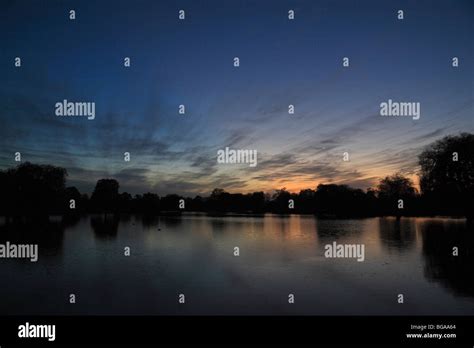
<point>193,255</point>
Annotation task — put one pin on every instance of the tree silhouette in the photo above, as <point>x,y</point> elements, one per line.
<point>306,201</point>
<point>256,202</point>
<point>80,200</point>
<point>341,201</point>
<point>280,201</point>
<point>446,181</point>
<point>170,203</point>
<point>393,188</point>
<point>32,189</point>
<point>447,175</point>
<point>218,200</point>
<point>105,197</point>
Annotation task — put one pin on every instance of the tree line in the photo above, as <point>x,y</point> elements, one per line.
<point>446,188</point>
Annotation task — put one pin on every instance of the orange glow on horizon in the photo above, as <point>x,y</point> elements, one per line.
<point>305,182</point>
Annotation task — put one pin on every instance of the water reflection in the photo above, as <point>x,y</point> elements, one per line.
<point>397,235</point>
<point>440,265</point>
<point>105,227</point>
<point>332,230</point>
<point>149,221</point>
<point>194,254</point>
<point>159,222</point>
<point>48,233</point>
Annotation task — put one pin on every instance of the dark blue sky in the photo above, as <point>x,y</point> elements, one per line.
<point>190,62</point>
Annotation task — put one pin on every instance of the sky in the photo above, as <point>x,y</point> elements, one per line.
<point>190,62</point>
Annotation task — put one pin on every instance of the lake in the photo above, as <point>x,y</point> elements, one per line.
<point>193,254</point>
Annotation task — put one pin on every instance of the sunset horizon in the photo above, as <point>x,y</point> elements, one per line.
<point>300,104</point>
